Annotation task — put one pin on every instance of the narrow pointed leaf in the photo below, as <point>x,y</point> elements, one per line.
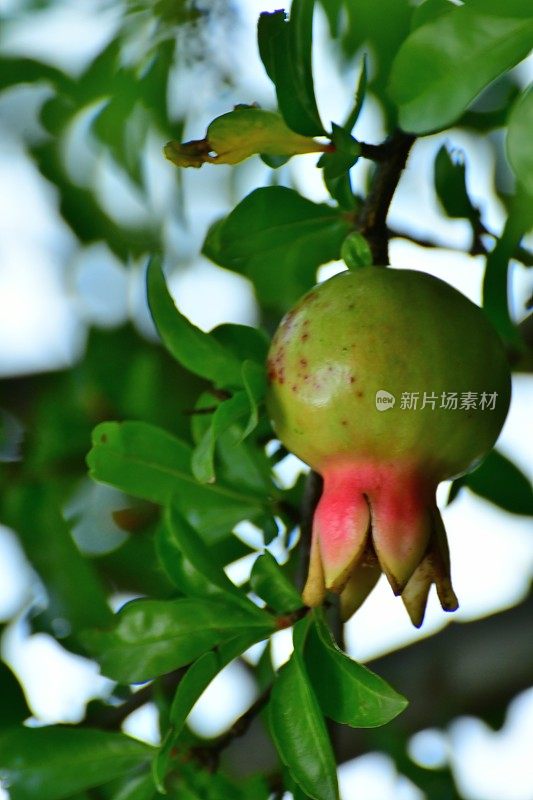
<point>285,48</point>
<point>196,552</point>
<point>360,94</point>
<point>255,384</point>
<point>450,185</point>
<point>347,692</point>
<point>519,150</point>
<point>191,687</point>
<point>299,730</point>
<point>495,281</point>
<point>269,582</point>
<point>230,411</point>
<point>197,351</point>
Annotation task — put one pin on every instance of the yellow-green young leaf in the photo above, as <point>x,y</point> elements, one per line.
<point>239,134</point>
<point>56,762</point>
<point>347,692</point>
<point>444,64</point>
<point>519,137</point>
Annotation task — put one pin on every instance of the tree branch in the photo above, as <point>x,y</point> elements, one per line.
<point>209,754</point>
<point>521,254</point>
<point>110,718</point>
<point>372,219</point>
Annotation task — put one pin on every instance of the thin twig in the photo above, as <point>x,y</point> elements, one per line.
<point>521,254</point>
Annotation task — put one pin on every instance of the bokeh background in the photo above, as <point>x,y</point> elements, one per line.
<point>89,93</point>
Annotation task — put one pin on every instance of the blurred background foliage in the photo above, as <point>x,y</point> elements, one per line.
<point>161,70</point>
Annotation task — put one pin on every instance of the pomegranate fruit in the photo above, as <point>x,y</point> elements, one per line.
<point>386,382</point>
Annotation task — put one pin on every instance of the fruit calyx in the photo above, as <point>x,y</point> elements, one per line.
<point>372,518</point>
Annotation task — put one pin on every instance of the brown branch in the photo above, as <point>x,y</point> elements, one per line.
<point>209,754</point>
<point>473,668</point>
<point>110,718</point>
<point>521,254</point>
<point>372,219</point>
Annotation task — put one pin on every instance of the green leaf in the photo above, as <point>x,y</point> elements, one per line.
<point>199,352</point>
<point>200,557</point>
<point>269,582</point>
<point>56,762</point>
<point>497,479</point>
<point>15,71</point>
<point>278,239</point>
<point>191,687</point>
<point>495,281</point>
<point>146,461</point>
<point>360,94</point>
<point>519,150</point>
<point>11,437</point>
<point>74,590</point>
<point>246,343</point>
<point>430,10</point>
<point>141,787</point>
<point>356,252</point>
<point>151,637</point>
<point>239,134</point>
<point>380,30</point>
<point>347,692</point>
<point>183,574</point>
<point>232,410</point>
<point>82,212</point>
<point>255,384</point>
<point>285,49</point>
<point>298,728</point>
<point>443,65</point>
<point>12,701</point>
<point>337,166</point>
<point>450,185</point>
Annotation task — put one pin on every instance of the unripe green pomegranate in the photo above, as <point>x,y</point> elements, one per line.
<point>386,382</point>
